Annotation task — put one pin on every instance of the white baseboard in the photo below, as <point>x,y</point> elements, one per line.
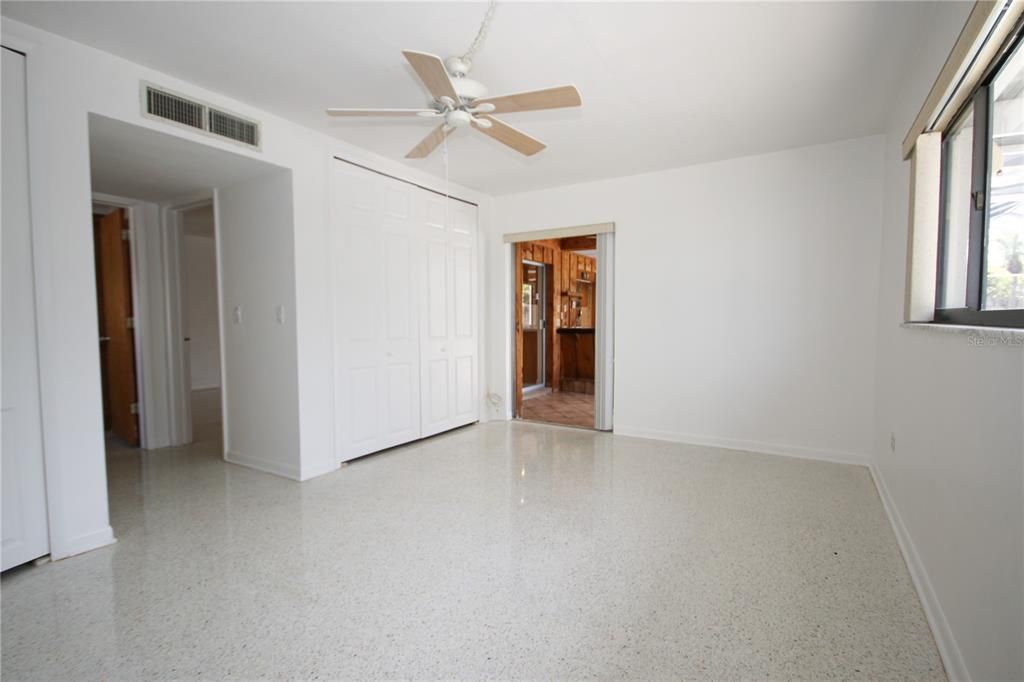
<point>952,659</point>
<point>320,471</point>
<point>784,450</point>
<point>84,543</point>
<point>266,466</point>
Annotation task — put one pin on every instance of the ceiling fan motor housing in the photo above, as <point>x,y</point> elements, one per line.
<point>458,118</point>
<point>468,89</point>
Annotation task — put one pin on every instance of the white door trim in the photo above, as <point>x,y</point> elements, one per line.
<point>604,351</point>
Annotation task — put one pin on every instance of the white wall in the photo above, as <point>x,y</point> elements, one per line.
<point>66,81</point>
<point>743,314</point>
<point>956,409</point>
<point>201,320</point>
<point>261,372</point>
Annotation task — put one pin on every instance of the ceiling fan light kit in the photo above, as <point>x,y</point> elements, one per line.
<point>463,102</point>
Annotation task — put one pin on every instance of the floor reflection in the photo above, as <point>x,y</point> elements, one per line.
<point>504,550</point>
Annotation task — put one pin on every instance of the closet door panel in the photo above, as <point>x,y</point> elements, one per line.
<point>438,396</point>
<point>375,316</point>
<point>462,342</point>
<point>465,395</point>
<point>399,334</point>
<point>25,529</point>
<point>437,290</point>
<point>462,291</point>
<point>436,401</point>
<point>402,401</point>
<point>356,313</point>
<point>362,397</point>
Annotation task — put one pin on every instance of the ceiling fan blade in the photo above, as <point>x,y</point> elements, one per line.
<point>431,71</point>
<point>507,135</point>
<point>535,100</point>
<point>430,142</point>
<point>382,112</point>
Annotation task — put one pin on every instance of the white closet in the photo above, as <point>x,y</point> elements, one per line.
<point>405,323</point>
<point>25,531</point>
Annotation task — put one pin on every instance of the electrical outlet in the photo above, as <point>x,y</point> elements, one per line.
<point>892,442</point>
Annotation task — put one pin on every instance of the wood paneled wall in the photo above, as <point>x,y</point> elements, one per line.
<point>567,267</point>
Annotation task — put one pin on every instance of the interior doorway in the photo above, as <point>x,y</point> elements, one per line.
<point>200,314</point>
<point>179,228</point>
<point>556,329</point>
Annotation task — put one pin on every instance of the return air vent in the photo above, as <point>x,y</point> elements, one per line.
<point>174,108</point>
<point>169,106</point>
<point>233,127</point>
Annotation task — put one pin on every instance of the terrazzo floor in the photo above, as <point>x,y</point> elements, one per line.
<point>498,551</point>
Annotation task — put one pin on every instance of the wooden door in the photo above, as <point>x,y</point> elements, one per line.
<point>117,325</point>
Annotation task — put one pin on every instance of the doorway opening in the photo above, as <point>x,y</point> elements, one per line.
<point>556,329</point>
<point>165,264</point>
<point>115,312</point>
<point>200,320</point>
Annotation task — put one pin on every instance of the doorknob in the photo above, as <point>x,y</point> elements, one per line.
<point>104,338</point>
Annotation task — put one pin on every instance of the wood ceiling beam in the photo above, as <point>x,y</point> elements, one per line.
<point>579,243</point>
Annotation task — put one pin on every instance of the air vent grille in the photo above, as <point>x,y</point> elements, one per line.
<point>174,108</point>
<point>181,110</point>
<point>233,127</point>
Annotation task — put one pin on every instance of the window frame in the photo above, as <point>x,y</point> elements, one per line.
<point>973,314</point>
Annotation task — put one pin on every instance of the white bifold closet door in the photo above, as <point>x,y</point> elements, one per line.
<point>404,318</point>
<point>448,350</point>
<point>376,323</point>
<point>25,531</point>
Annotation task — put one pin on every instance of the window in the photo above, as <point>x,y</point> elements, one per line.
<point>981,240</point>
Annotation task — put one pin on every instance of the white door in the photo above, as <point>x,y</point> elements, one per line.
<point>449,340</point>
<point>436,362</point>
<point>375,315</point>
<point>463,336</point>
<point>25,532</point>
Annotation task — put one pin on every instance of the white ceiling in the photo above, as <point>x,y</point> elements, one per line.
<point>663,84</point>
<point>139,163</point>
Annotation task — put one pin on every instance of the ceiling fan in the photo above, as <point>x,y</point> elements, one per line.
<point>462,101</point>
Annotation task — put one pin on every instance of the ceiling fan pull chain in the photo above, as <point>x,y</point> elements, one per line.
<point>481,34</point>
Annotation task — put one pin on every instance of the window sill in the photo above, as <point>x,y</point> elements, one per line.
<point>981,336</point>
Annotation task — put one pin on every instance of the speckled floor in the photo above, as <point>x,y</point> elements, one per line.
<point>500,551</point>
